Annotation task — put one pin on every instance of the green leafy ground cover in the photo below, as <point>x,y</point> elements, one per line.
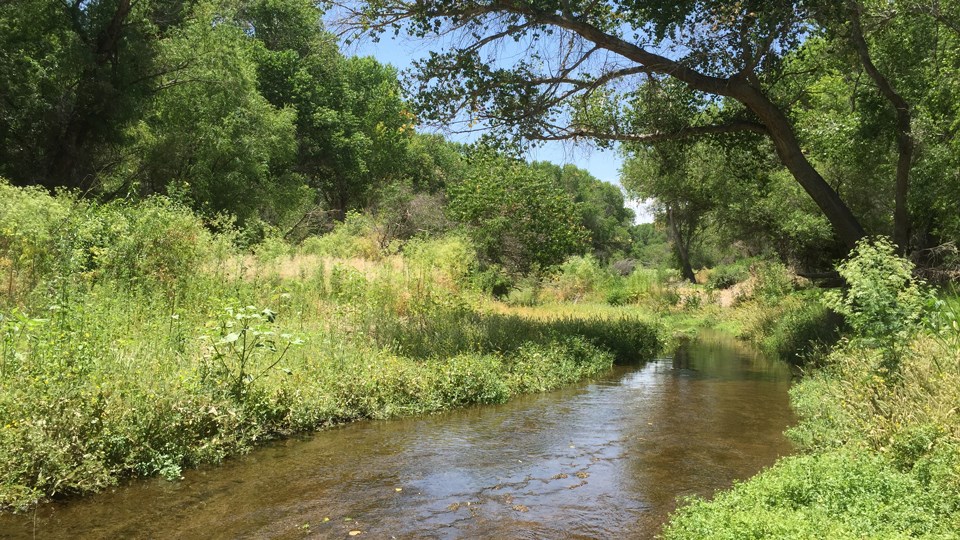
<point>879,436</point>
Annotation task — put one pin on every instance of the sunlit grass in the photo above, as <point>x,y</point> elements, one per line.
<point>133,342</point>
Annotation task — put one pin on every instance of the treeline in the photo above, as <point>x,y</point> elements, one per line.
<point>248,112</point>
<point>875,109</point>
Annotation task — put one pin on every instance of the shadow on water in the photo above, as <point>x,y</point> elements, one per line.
<point>606,458</point>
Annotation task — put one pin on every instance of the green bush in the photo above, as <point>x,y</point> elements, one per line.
<point>806,327</point>
<point>882,302</point>
<point>773,281</point>
<point>157,242</point>
<point>30,225</point>
<point>541,367</point>
<point>728,275</point>
<point>352,238</point>
<point>453,256</point>
<point>578,278</point>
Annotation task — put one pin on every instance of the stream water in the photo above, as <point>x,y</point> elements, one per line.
<point>604,459</point>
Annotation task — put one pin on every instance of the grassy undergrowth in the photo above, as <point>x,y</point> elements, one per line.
<point>134,342</point>
<point>879,435</point>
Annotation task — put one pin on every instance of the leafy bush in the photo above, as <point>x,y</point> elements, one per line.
<point>157,242</point>
<point>728,275</point>
<point>526,293</point>
<point>518,217</point>
<point>453,256</point>
<point>541,367</point>
<point>883,303</point>
<point>352,238</point>
<point>29,220</point>
<point>773,281</point>
<point>578,278</point>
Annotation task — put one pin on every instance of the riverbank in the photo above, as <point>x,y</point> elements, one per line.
<point>878,436</point>
<point>603,458</point>
<point>134,342</point>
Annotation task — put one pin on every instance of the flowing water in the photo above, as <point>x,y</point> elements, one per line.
<point>604,459</point>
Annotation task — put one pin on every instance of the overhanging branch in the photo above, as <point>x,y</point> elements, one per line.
<point>690,132</point>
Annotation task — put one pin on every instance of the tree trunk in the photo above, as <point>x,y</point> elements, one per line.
<point>95,96</point>
<point>844,223</point>
<point>681,248</point>
<point>905,144</point>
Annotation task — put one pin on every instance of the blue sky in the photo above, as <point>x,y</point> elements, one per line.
<point>603,164</point>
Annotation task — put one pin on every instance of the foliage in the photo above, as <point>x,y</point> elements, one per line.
<point>128,351</point>
<point>600,206</point>
<point>773,280</point>
<point>518,217</point>
<point>578,277</point>
<point>727,275</point>
<point>351,238</point>
<point>44,239</point>
<point>796,328</point>
<point>216,143</point>
<point>835,495</point>
<point>878,448</point>
<point>883,303</point>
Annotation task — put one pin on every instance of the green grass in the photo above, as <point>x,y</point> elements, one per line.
<point>135,343</point>
<point>878,442</point>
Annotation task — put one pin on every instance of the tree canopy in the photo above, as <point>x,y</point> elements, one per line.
<point>648,72</point>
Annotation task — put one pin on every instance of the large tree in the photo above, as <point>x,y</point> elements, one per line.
<point>73,75</point>
<point>567,69</point>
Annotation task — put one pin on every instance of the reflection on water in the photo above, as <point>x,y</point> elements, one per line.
<point>603,459</point>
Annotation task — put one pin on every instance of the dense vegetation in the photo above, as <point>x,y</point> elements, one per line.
<point>133,341</point>
<point>785,128</point>
<point>878,435</point>
<point>217,229</point>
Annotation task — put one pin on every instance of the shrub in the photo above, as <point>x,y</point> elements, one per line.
<point>454,257</point>
<point>352,238</point>
<point>541,367</point>
<point>773,281</point>
<point>882,303</point>
<point>728,275</point>
<point>835,495</point>
<point>578,278</point>
<point>30,224</point>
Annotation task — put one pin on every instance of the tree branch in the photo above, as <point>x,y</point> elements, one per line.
<point>905,143</point>
<point>737,126</point>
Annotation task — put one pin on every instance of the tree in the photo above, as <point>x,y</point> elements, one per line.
<point>352,125</point>
<point>584,58</point>
<point>74,75</point>
<point>896,63</point>
<point>600,207</point>
<point>210,136</point>
<point>684,194</point>
<point>517,215</point>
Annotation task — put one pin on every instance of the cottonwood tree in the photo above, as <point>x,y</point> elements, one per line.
<point>566,69</point>
<point>519,216</point>
<point>894,66</point>
<point>73,76</point>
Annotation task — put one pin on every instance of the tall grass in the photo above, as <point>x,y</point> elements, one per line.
<point>134,342</point>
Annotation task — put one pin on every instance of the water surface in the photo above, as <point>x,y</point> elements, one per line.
<point>602,459</point>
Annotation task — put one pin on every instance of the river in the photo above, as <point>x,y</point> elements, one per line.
<point>603,459</point>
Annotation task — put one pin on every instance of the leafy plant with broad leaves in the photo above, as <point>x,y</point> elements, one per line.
<point>883,303</point>
<point>245,349</point>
